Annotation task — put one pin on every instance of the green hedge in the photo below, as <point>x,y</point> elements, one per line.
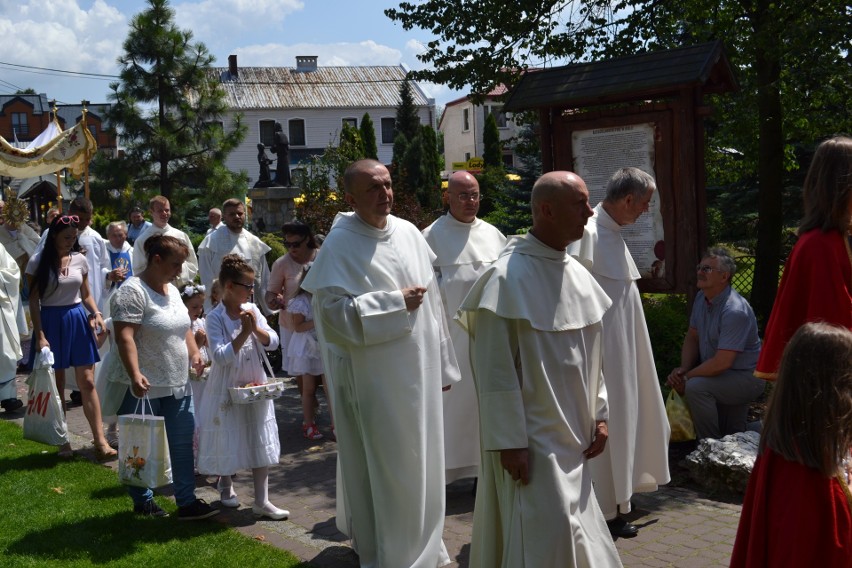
<point>668,321</point>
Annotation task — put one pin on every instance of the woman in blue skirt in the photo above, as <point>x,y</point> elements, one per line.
<point>65,316</point>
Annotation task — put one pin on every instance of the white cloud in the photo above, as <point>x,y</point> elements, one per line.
<point>214,20</point>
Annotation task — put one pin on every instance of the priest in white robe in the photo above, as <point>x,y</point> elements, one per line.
<point>387,355</point>
<point>636,457</point>
<point>536,338</point>
<point>161,212</point>
<point>464,247</point>
<point>10,329</point>
<point>231,238</point>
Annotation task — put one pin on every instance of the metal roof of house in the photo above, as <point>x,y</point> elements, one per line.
<point>40,102</point>
<point>325,87</point>
<point>634,77</point>
<point>71,114</point>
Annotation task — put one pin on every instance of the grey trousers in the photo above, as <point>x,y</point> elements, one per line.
<point>719,405</point>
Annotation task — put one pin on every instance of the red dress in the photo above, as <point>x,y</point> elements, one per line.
<point>816,286</point>
<point>793,516</point>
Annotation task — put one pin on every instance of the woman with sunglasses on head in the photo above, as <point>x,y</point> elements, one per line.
<point>284,277</point>
<point>65,318</point>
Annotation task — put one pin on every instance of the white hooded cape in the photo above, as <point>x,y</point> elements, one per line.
<point>636,456</point>
<point>385,366</point>
<point>463,251</point>
<point>534,319</point>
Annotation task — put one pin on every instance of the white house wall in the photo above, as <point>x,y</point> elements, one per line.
<point>458,142</point>
<point>322,127</point>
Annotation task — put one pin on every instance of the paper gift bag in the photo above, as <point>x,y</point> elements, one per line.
<point>44,421</point>
<point>143,450</point>
<point>680,419</point>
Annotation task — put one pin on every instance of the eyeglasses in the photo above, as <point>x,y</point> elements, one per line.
<point>69,219</point>
<point>246,286</point>
<point>295,244</point>
<point>463,197</point>
<point>706,268</point>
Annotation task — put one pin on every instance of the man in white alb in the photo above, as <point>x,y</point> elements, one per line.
<point>161,212</point>
<point>636,457</point>
<point>464,246</point>
<point>387,355</point>
<point>231,238</point>
<point>535,322</point>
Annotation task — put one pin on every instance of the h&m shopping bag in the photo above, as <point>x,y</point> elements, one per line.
<point>143,449</point>
<point>44,421</point>
<point>683,430</point>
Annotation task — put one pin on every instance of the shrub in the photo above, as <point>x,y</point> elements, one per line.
<point>668,320</point>
<point>276,243</point>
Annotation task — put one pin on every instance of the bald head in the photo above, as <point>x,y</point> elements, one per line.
<point>367,185</point>
<point>463,196</point>
<point>560,208</point>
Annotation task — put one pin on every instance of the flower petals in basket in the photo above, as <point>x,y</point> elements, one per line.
<point>256,393</point>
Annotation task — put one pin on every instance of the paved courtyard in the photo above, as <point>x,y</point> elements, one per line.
<point>678,526</point>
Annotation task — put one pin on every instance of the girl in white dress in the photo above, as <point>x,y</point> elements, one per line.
<point>193,298</point>
<point>238,436</point>
<point>304,358</point>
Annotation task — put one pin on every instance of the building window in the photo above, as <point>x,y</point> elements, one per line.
<point>19,124</point>
<point>499,115</point>
<point>267,132</point>
<point>388,130</point>
<point>467,156</point>
<point>353,122</point>
<point>466,119</point>
<point>509,161</point>
<point>297,132</point>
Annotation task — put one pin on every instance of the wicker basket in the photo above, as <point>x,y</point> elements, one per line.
<point>249,395</point>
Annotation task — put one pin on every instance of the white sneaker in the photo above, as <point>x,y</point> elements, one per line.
<point>271,511</point>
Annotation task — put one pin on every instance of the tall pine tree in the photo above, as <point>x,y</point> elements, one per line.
<point>168,111</point>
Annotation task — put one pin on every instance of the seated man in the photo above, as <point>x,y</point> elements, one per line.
<point>719,352</point>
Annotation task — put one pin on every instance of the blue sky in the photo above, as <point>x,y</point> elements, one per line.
<point>86,36</point>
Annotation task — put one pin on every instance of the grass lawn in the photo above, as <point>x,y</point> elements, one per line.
<point>75,513</point>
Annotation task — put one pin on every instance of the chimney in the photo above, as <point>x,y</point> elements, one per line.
<point>306,63</point>
<point>232,66</point>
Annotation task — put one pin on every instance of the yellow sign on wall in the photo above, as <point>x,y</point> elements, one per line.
<point>473,164</point>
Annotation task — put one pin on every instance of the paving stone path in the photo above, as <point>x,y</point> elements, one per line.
<point>678,526</point>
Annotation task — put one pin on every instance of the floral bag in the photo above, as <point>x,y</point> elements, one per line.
<point>143,449</point>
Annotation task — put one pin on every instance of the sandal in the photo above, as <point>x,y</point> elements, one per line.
<point>311,432</point>
<point>65,452</point>
<point>105,454</point>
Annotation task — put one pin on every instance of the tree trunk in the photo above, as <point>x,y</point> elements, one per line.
<point>770,170</point>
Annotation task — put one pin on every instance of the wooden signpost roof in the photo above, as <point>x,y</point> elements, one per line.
<point>635,77</point>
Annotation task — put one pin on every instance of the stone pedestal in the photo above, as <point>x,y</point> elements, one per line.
<point>273,205</point>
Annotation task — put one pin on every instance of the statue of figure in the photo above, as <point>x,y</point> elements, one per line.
<point>265,178</point>
<point>281,148</point>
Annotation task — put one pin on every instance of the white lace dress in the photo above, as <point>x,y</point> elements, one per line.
<point>235,436</point>
<point>303,354</point>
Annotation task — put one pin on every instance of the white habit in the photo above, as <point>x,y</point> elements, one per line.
<point>463,251</point>
<point>21,242</point>
<point>534,319</point>
<point>636,455</point>
<point>386,367</point>
<point>140,261</point>
<point>223,241</point>
<point>10,329</point>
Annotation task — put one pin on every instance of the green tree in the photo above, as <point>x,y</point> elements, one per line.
<point>351,142</point>
<point>168,110</point>
<point>493,149</point>
<point>791,58</point>
<point>407,119</point>
<point>368,137</point>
